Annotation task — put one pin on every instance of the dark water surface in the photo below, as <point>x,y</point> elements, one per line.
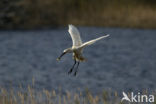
<point>124,61</point>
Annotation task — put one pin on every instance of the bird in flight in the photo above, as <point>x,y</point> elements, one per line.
<point>77,47</point>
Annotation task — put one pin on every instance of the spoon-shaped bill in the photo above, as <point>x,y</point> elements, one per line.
<point>58,59</point>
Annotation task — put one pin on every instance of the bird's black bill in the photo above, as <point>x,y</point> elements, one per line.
<point>61,56</point>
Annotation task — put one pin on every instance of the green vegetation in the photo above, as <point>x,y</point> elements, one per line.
<point>28,14</point>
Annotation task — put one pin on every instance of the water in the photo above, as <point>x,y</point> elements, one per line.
<point>124,61</point>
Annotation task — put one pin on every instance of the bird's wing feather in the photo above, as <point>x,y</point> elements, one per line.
<point>75,35</point>
<point>92,41</point>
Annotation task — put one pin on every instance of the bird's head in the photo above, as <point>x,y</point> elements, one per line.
<point>68,50</point>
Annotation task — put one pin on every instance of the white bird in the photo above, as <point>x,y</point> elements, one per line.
<point>125,97</point>
<point>77,47</point>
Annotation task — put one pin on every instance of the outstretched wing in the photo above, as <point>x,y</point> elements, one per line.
<point>75,35</point>
<point>92,41</point>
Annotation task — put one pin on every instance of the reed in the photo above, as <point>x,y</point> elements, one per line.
<point>29,14</point>
<point>34,96</point>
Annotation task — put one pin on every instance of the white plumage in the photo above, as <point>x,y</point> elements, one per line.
<point>76,39</point>
<point>75,35</point>
<point>78,46</point>
<point>92,41</point>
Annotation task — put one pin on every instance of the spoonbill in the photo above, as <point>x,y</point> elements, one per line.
<point>77,47</point>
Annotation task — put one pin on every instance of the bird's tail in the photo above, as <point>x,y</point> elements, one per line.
<point>82,59</point>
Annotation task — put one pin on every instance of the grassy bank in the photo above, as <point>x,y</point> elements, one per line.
<point>28,14</point>
<point>32,96</point>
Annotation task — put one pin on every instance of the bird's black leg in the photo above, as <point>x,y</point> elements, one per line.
<point>76,69</point>
<point>72,67</point>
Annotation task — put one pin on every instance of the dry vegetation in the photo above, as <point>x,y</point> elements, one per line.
<point>31,96</point>
<point>48,13</point>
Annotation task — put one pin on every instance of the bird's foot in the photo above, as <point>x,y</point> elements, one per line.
<point>70,71</point>
<point>75,73</point>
